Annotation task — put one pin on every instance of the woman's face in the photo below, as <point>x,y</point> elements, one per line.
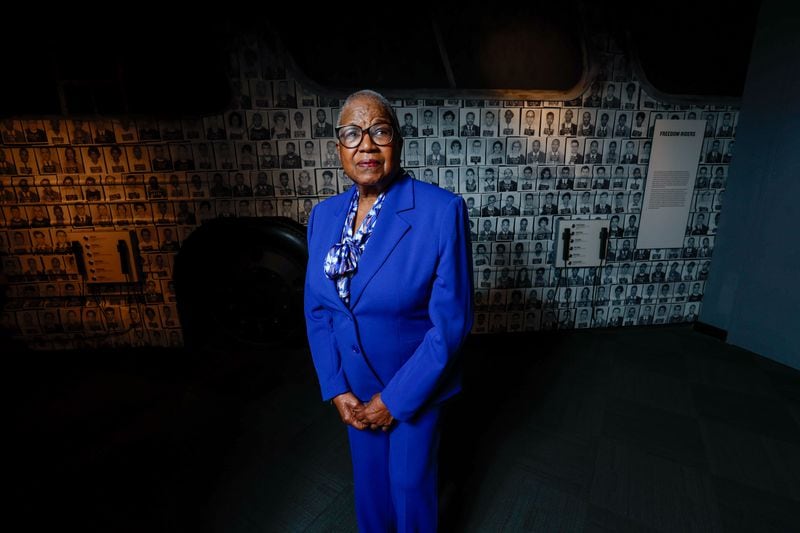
<point>368,164</point>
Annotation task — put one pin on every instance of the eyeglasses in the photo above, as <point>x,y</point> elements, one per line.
<point>351,136</point>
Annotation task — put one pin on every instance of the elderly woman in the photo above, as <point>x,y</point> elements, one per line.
<point>388,303</point>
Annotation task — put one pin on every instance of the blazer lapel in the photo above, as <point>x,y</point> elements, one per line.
<point>335,223</point>
<point>389,229</point>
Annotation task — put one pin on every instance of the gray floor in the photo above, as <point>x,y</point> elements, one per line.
<point>637,429</point>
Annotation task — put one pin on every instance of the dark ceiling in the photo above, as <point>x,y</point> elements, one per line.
<point>448,45</point>
<point>688,47</point>
<point>176,62</point>
<point>699,47</point>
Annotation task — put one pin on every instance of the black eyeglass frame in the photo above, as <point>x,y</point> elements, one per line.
<point>337,129</point>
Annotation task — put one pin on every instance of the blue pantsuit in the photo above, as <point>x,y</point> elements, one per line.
<point>395,475</point>
<point>410,310</point>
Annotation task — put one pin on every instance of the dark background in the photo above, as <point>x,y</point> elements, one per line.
<point>154,61</point>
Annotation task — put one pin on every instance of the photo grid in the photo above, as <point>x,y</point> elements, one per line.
<point>520,166</point>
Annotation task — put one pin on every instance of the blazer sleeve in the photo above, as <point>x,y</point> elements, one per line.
<point>321,340</point>
<point>450,309</point>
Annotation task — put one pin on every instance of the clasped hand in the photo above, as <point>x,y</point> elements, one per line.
<point>353,412</point>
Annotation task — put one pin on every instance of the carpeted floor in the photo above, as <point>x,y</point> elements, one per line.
<point>635,429</point>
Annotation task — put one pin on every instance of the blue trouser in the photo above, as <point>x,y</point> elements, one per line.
<point>395,474</point>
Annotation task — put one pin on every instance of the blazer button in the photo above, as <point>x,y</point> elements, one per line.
<point>355,349</point>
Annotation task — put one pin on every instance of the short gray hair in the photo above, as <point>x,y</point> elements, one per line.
<point>378,97</point>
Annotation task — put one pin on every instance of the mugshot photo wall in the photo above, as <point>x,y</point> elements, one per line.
<point>523,168</point>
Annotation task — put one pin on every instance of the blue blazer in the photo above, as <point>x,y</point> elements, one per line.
<point>410,299</point>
